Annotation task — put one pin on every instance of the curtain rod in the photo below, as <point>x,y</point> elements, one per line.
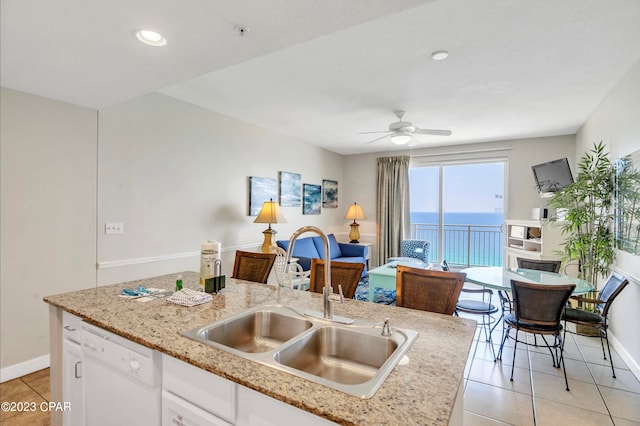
<point>477,151</point>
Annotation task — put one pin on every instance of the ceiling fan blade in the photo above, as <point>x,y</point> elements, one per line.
<point>377,139</point>
<point>377,131</point>
<point>434,132</point>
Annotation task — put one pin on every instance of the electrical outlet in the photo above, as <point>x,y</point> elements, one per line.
<point>113,228</point>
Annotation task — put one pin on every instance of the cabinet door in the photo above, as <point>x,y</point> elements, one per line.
<point>177,411</point>
<point>73,384</point>
<point>199,387</point>
<point>256,409</point>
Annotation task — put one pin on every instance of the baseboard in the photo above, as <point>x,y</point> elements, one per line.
<point>626,357</point>
<point>23,368</point>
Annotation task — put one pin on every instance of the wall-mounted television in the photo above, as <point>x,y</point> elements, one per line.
<point>552,176</point>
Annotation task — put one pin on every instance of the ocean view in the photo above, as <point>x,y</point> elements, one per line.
<point>474,239</point>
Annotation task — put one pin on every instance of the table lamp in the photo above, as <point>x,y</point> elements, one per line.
<point>354,212</point>
<point>270,213</point>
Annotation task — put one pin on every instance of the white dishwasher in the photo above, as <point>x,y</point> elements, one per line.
<point>122,380</point>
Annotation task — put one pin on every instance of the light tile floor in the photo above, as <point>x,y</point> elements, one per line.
<point>537,394</point>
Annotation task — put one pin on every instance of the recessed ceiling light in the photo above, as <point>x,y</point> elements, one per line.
<point>439,55</point>
<point>151,38</point>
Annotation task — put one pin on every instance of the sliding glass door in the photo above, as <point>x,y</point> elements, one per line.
<point>459,209</point>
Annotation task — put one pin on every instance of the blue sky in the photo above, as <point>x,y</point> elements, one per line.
<point>468,188</point>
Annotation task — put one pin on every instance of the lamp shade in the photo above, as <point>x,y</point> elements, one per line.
<point>355,212</point>
<point>270,213</point>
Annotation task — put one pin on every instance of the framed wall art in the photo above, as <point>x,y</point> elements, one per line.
<point>312,202</point>
<point>290,189</point>
<point>329,194</point>
<point>260,190</point>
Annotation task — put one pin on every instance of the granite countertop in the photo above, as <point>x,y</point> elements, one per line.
<point>420,392</point>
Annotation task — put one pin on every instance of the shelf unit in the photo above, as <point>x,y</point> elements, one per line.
<point>532,239</point>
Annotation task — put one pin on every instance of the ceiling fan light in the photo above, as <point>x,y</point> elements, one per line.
<point>400,138</point>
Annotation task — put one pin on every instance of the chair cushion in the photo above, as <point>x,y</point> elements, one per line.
<point>511,320</point>
<point>476,306</point>
<point>349,259</point>
<point>409,261</point>
<point>334,248</point>
<point>571,314</point>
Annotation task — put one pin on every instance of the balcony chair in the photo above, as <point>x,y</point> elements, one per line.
<point>412,250</point>
<point>599,319</point>
<point>538,310</point>
<point>289,275</point>
<point>477,306</point>
<point>252,266</point>
<point>344,273</point>
<point>539,265</point>
<point>427,290</point>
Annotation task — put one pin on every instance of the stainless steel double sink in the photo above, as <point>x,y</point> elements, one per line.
<point>353,358</point>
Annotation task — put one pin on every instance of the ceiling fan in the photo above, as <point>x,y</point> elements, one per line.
<point>401,132</point>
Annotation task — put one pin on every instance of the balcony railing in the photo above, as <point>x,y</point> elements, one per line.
<point>462,245</point>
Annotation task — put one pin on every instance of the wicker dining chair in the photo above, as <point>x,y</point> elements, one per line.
<point>600,318</point>
<point>252,266</point>
<point>538,309</point>
<point>427,290</point>
<point>539,265</point>
<point>346,274</point>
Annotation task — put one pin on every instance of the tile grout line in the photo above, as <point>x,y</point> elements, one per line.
<point>533,396</point>
<point>604,401</point>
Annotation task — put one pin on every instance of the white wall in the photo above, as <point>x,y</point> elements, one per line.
<point>174,174</point>
<point>616,122</point>
<point>48,214</point>
<point>521,154</point>
<point>177,175</point>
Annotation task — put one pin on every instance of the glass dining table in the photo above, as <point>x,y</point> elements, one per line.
<point>499,278</point>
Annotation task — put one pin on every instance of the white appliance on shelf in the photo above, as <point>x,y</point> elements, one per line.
<point>115,369</point>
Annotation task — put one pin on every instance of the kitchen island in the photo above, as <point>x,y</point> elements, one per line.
<point>426,390</point>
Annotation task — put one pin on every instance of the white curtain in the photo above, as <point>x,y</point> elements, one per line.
<point>392,205</point>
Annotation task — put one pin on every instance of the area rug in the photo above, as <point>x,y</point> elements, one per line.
<point>380,295</point>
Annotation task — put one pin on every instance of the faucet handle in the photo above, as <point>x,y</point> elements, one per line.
<point>336,297</point>
<point>386,328</point>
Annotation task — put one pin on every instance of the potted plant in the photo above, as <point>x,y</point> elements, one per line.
<point>587,226</point>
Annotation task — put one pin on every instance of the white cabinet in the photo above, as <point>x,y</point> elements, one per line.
<point>256,409</point>
<point>194,397</point>
<point>177,411</point>
<point>532,239</point>
<point>72,383</point>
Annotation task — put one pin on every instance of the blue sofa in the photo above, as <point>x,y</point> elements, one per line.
<point>312,247</point>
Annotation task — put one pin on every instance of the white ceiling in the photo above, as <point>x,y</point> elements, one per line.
<point>322,71</point>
